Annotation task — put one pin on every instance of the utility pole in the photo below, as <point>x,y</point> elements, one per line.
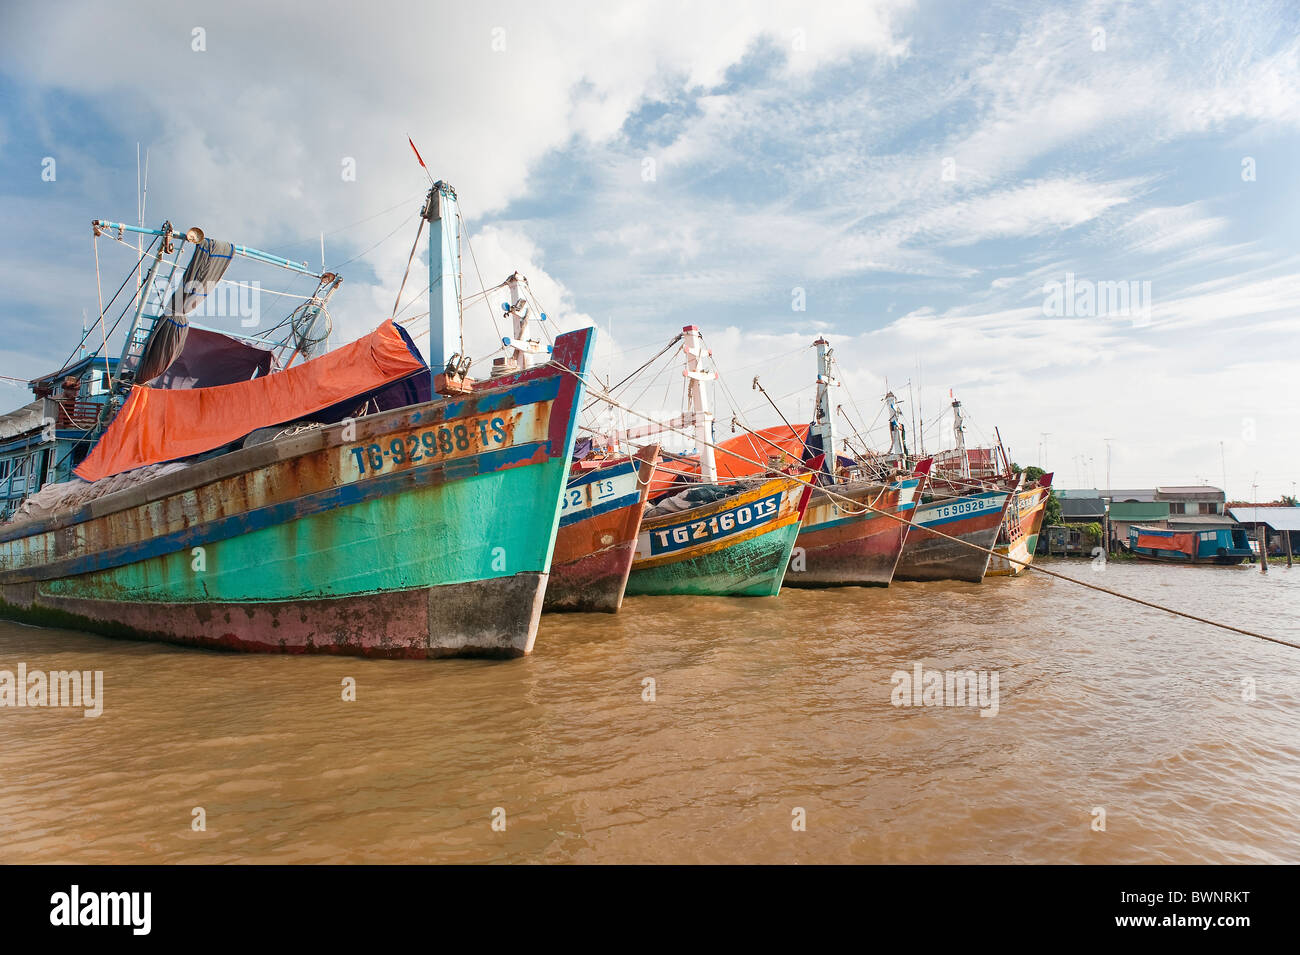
<point>1223,460</point>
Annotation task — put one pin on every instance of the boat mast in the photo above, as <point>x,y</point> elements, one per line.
<point>518,310</point>
<point>824,426</point>
<point>959,431</point>
<point>897,430</point>
<point>697,373</point>
<point>443,215</point>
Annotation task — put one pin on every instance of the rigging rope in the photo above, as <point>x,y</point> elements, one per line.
<point>409,259</point>
<point>1007,557</point>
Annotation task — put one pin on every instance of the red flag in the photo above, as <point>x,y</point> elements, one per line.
<point>417,152</point>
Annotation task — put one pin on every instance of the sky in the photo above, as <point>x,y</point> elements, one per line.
<point>951,194</point>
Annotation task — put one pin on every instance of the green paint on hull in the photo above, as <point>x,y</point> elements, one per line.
<point>420,538</point>
<point>751,568</point>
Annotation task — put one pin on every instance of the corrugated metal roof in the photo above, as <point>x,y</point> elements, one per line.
<point>1201,492</point>
<point>1142,495</point>
<point>1083,508</point>
<point>1141,511</point>
<point>1277,518</point>
<point>1085,493</point>
<point>1201,521</point>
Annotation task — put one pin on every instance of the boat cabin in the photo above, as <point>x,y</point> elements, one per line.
<point>1221,545</point>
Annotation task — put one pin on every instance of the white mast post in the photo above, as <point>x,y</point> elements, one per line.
<point>897,431</point>
<point>522,345</point>
<point>959,431</point>
<point>698,373</point>
<point>825,416</point>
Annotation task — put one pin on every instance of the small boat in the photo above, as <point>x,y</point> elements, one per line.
<point>1222,545</point>
<point>274,514</point>
<point>1018,537</point>
<point>708,538</point>
<point>600,520</point>
<point>738,545</point>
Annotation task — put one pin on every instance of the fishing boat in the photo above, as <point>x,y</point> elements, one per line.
<point>855,527</point>
<point>353,503</point>
<point>857,519</point>
<point>956,525</point>
<point>710,538</point>
<point>930,553</point>
<point>1018,536</point>
<point>600,522</point>
<point>1222,545</point>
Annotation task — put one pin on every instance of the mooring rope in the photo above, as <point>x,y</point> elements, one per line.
<point>1007,557</point>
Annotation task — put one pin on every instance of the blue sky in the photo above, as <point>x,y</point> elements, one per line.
<point>922,172</point>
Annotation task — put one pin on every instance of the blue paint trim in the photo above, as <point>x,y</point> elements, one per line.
<point>234,525</point>
<point>440,412</point>
<point>900,509</point>
<point>627,500</point>
<point>663,539</point>
<point>938,522</point>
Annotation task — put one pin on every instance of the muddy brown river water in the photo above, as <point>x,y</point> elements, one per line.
<point>768,734</point>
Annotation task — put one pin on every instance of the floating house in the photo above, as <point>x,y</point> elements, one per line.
<point>1225,545</point>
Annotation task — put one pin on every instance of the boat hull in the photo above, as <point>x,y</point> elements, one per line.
<point>737,547</point>
<point>837,548</point>
<point>1030,507</point>
<point>972,519</point>
<point>1203,561</point>
<point>600,519</point>
<point>422,532</point>
<point>1223,546</point>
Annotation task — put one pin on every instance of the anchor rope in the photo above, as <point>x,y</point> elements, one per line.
<point>1007,557</point>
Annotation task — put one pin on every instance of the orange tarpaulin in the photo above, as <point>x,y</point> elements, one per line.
<point>1183,543</point>
<point>731,455</point>
<point>158,425</point>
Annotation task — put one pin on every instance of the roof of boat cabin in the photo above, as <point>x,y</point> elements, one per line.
<point>76,369</point>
